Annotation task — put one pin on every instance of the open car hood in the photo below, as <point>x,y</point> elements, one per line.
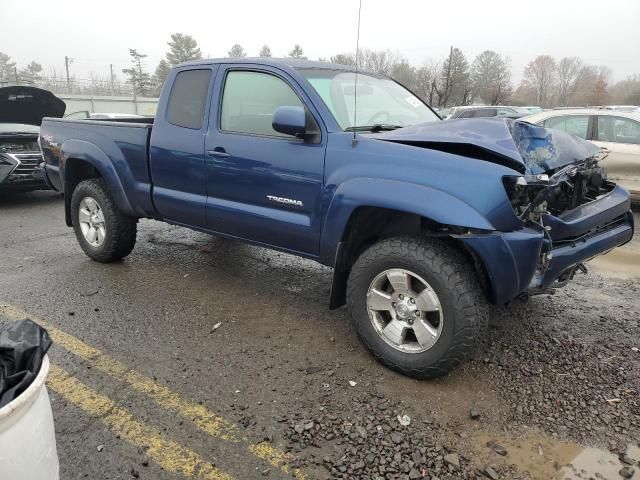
<point>520,145</point>
<point>28,105</point>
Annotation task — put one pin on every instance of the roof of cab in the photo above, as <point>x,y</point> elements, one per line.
<point>273,62</point>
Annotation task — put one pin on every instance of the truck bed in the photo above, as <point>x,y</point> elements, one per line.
<point>118,149</point>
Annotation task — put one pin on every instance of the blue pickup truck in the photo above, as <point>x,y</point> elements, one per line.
<point>424,222</point>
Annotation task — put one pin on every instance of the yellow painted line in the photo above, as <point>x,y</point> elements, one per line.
<point>170,455</point>
<point>203,418</point>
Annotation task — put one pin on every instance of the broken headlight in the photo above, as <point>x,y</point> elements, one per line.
<point>528,195</point>
<point>568,187</point>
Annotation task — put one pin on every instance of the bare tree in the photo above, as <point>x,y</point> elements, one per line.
<point>402,72</point>
<point>568,73</point>
<point>297,52</point>
<point>540,76</point>
<point>343,59</point>
<point>591,86</point>
<point>265,51</point>
<point>237,52</point>
<point>426,83</point>
<point>491,77</point>
<point>381,61</point>
<point>626,92</point>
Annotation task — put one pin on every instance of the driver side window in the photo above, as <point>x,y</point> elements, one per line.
<point>249,100</point>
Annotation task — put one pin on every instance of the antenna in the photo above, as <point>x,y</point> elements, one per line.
<point>354,142</point>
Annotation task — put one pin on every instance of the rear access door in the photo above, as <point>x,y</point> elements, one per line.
<point>177,155</point>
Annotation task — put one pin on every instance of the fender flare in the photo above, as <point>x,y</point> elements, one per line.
<point>91,154</point>
<point>406,197</point>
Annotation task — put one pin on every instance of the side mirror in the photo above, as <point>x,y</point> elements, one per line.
<point>290,121</point>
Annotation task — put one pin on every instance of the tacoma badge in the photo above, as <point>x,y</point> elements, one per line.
<point>288,201</point>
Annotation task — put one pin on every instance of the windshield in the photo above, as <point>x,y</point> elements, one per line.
<point>382,103</point>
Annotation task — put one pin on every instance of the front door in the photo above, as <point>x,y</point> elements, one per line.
<point>263,185</point>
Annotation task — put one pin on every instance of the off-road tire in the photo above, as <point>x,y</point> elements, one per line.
<point>454,280</point>
<point>121,229</point>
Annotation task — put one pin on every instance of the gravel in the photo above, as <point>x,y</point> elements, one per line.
<point>564,364</point>
<point>568,367</point>
<point>363,439</point>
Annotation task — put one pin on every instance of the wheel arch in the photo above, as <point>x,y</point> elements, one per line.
<point>82,160</point>
<point>365,210</point>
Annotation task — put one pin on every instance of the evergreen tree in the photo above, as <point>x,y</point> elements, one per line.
<point>491,77</point>
<point>265,51</point>
<point>237,52</point>
<point>7,68</point>
<point>454,86</point>
<point>182,48</point>
<point>297,52</point>
<point>31,73</point>
<point>160,75</point>
<point>138,78</point>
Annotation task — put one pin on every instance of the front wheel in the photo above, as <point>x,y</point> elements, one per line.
<point>104,233</point>
<point>417,305</point>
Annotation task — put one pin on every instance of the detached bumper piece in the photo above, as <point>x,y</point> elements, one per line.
<point>583,233</point>
<point>564,259</point>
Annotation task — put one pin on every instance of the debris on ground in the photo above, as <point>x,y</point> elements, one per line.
<point>404,420</point>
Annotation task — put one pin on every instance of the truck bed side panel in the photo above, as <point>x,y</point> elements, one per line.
<point>119,151</point>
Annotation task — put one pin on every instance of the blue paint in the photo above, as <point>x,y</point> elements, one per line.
<point>297,194</point>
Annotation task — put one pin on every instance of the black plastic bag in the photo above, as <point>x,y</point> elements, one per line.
<point>23,345</point>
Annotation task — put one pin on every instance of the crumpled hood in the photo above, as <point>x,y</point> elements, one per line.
<point>520,145</point>
<point>28,105</point>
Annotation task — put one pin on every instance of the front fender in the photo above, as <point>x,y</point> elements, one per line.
<point>406,197</point>
<point>90,153</point>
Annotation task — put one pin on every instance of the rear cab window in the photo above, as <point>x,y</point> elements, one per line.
<point>188,98</point>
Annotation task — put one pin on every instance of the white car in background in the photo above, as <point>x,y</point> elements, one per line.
<point>616,132</point>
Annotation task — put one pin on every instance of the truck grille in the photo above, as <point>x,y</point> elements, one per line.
<point>29,164</point>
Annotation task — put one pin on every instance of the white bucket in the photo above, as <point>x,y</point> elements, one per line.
<point>27,438</point>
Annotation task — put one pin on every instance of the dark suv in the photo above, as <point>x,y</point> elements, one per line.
<point>21,112</point>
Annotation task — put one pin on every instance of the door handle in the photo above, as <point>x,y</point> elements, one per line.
<point>218,152</point>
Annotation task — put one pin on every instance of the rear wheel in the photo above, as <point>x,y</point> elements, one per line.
<point>104,233</point>
<point>417,305</point>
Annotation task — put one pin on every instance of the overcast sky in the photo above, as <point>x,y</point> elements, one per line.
<point>97,33</point>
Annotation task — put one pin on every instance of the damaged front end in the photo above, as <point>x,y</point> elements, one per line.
<point>569,212</point>
<point>566,196</point>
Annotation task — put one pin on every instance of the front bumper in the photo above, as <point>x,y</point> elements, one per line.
<point>22,172</point>
<point>527,260</point>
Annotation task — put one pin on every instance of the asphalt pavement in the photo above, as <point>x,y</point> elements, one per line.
<point>198,357</point>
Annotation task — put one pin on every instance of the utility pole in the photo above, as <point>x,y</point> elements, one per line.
<point>111,77</point>
<point>67,61</point>
<point>15,73</point>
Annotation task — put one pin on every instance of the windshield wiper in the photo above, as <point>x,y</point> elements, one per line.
<point>378,127</point>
